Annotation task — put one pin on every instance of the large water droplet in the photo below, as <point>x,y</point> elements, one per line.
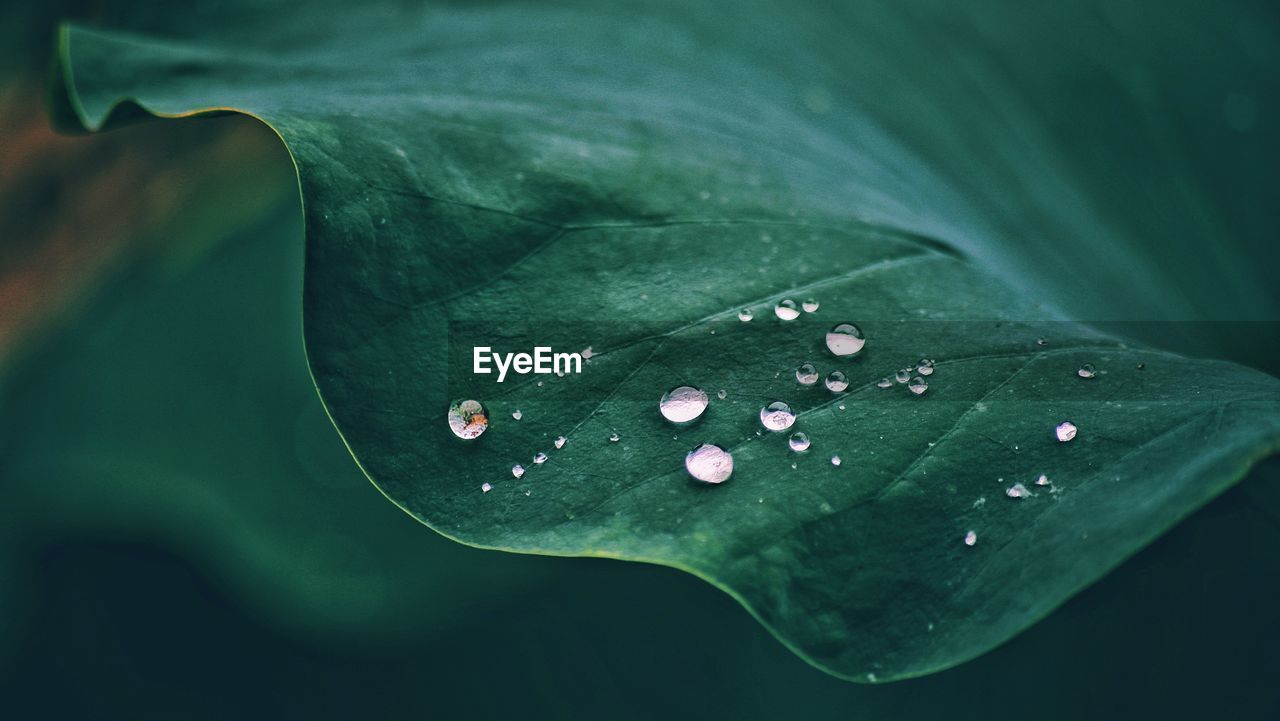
<point>777,416</point>
<point>744,315</point>
<point>925,367</point>
<point>810,305</point>
<point>903,375</point>
<point>683,404</point>
<point>845,339</point>
<point>517,414</point>
<point>1065,431</point>
<point>918,385</point>
<point>709,463</point>
<point>786,310</point>
<point>540,458</point>
<point>799,441</point>
<point>467,419</point>
<point>807,374</point>
<point>1087,371</point>
<point>1017,490</point>
<point>971,538</point>
<point>837,381</point>
<point>517,470</point>
<point>835,460</point>
<point>561,441</point>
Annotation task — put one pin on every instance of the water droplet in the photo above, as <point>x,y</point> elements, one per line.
<point>1043,480</point>
<point>561,441</point>
<point>539,384</point>
<point>884,382</point>
<point>903,375</point>
<point>835,460</point>
<point>722,394</point>
<point>683,404</point>
<point>807,374</point>
<point>918,385</point>
<point>1017,490</point>
<point>486,487</point>
<point>587,353</point>
<point>837,381</point>
<point>845,339</point>
<point>1087,371</point>
<point>540,458</point>
<point>810,305</point>
<point>614,437</point>
<point>467,419</point>
<point>970,538</point>
<point>709,463</point>
<point>1042,341</point>
<point>786,310</point>
<point>925,367</point>
<point>777,416</point>
<point>1141,366</point>
<point>517,470</point>
<point>841,406</point>
<point>1065,431</point>
<point>517,414</point>
<point>744,315</point>
<point>799,441</point>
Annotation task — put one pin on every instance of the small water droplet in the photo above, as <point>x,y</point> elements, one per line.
<point>722,394</point>
<point>841,406</point>
<point>799,441</point>
<point>517,414</point>
<point>1065,431</point>
<point>744,315</point>
<point>845,340</point>
<point>925,367</point>
<point>539,384</point>
<point>777,416</point>
<point>683,404</point>
<point>709,463</point>
<point>835,460</point>
<point>1043,480</point>
<point>587,353</point>
<point>810,305</point>
<point>807,374</point>
<point>786,309</point>
<point>517,470</point>
<point>540,458</point>
<point>559,443</point>
<point>885,382</point>
<point>1087,371</point>
<point>1042,341</point>
<point>486,487</point>
<point>1017,490</point>
<point>467,419</point>
<point>918,385</point>
<point>902,376</point>
<point>970,538</point>
<point>1141,366</point>
<point>614,437</point>
<point>837,381</point>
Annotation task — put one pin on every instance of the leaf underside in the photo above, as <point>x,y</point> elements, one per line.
<point>629,179</point>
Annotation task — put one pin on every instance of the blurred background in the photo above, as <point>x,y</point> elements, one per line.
<point>184,535</point>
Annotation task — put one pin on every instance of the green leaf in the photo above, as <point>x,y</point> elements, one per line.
<point>627,179</point>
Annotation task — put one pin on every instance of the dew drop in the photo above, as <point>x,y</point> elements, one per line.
<point>1017,490</point>
<point>683,404</point>
<point>486,487</point>
<point>561,441</point>
<point>918,385</point>
<point>722,394</point>
<point>786,309</point>
<point>744,315</point>
<point>903,375</point>
<point>799,442</point>
<point>807,374</point>
<point>810,305</point>
<point>1043,480</point>
<point>517,470</point>
<point>925,367</point>
<point>837,381</point>
<point>1087,371</point>
<point>614,437</point>
<point>709,463</point>
<point>885,382</point>
<point>1141,366</point>
<point>467,419</point>
<point>777,416</point>
<point>540,458</point>
<point>1042,341</point>
<point>835,460</point>
<point>517,414</point>
<point>845,340</point>
<point>970,538</point>
<point>1065,431</point>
